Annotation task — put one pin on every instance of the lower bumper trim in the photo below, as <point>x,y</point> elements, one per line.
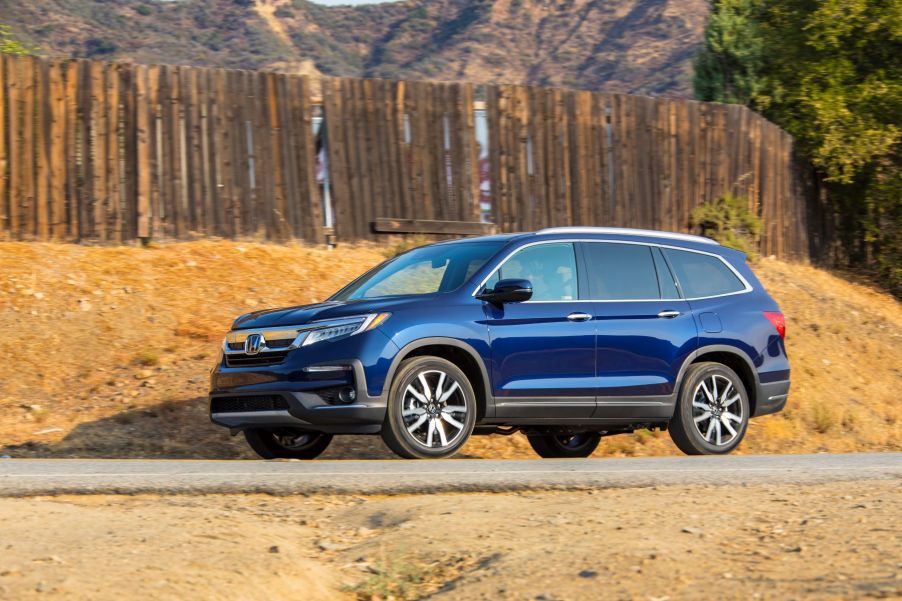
<point>771,397</point>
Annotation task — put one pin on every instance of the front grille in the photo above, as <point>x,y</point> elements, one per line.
<point>261,360</point>
<point>243,404</point>
<point>283,343</point>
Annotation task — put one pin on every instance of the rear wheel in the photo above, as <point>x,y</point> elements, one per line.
<point>712,414</point>
<point>552,446</point>
<point>431,409</point>
<point>287,443</point>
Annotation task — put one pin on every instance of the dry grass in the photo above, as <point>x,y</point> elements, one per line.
<point>107,350</point>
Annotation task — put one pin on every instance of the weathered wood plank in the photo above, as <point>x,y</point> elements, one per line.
<point>42,149</point>
<point>431,226</point>
<point>27,172</point>
<point>142,153</point>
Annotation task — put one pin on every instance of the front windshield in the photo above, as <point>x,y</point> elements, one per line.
<point>427,270</point>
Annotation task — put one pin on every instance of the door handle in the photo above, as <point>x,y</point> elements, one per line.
<point>579,317</point>
<point>669,314</point>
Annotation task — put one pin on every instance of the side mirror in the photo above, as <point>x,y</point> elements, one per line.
<point>508,291</point>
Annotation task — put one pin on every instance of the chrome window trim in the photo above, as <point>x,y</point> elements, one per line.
<point>747,287</point>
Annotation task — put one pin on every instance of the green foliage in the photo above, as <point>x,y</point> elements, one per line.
<point>727,69</point>
<point>95,47</point>
<point>391,580</point>
<point>10,45</point>
<point>405,244</point>
<point>144,10</point>
<point>729,221</point>
<point>830,73</point>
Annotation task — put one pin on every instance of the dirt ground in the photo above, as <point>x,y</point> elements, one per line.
<point>831,541</point>
<point>107,351</point>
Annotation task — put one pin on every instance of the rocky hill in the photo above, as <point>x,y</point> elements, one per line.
<point>637,46</point>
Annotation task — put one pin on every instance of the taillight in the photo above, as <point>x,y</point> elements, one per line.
<point>779,322</point>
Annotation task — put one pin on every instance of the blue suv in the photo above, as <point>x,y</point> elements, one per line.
<point>566,334</point>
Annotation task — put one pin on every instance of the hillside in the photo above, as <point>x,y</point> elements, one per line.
<point>107,351</point>
<point>635,46</point>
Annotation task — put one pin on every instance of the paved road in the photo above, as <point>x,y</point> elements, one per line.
<point>23,477</point>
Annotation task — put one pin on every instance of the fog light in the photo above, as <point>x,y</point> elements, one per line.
<point>347,395</point>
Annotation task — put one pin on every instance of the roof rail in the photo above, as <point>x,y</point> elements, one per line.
<point>625,231</point>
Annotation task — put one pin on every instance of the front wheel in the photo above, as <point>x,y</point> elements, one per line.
<point>287,443</point>
<point>554,446</point>
<point>431,409</point>
<point>712,413</point>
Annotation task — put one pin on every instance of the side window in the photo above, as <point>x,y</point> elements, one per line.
<point>702,275</point>
<point>550,267</point>
<point>621,271</point>
<point>665,277</point>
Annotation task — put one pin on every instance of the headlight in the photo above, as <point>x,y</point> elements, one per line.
<point>347,326</point>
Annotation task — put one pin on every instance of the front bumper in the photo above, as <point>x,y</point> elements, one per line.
<point>305,405</point>
<point>305,411</point>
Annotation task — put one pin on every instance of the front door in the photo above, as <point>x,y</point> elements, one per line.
<point>543,350</point>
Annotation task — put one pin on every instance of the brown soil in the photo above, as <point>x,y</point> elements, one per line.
<point>832,541</point>
<point>107,351</point>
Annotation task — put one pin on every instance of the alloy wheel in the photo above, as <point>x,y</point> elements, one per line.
<point>434,409</point>
<point>716,410</point>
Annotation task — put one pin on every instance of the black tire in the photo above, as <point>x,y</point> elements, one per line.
<point>555,446</point>
<point>398,430</point>
<point>687,433</point>
<point>275,443</point>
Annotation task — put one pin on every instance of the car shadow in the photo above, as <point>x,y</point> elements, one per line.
<point>178,429</point>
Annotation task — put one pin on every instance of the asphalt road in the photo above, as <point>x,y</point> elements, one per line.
<point>25,477</point>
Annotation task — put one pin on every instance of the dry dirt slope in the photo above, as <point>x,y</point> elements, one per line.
<point>106,351</point>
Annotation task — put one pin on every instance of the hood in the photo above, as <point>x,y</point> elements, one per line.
<point>303,314</point>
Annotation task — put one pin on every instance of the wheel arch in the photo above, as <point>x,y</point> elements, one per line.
<point>733,358</point>
<point>457,352</point>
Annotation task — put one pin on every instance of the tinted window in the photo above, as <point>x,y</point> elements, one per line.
<point>621,272</point>
<point>550,267</point>
<point>702,275</point>
<point>665,277</point>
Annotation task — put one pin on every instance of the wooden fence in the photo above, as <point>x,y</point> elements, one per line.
<point>95,151</point>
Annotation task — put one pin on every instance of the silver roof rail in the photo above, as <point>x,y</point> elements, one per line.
<point>625,231</point>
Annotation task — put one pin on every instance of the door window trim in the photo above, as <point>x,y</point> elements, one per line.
<point>746,286</point>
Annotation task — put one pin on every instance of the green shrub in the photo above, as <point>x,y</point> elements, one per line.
<point>98,47</point>
<point>729,221</point>
<point>407,243</point>
<point>143,10</point>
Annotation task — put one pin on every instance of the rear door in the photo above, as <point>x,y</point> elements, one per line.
<point>644,329</point>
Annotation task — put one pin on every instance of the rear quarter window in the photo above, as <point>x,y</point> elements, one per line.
<point>702,275</point>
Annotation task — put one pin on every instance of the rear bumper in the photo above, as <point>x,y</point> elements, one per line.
<point>306,411</point>
<point>771,397</point>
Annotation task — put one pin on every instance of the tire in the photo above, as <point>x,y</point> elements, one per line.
<point>555,446</point>
<point>724,428</point>
<point>278,443</point>
<point>420,423</point>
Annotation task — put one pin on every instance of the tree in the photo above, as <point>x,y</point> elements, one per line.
<point>10,45</point>
<point>728,67</point>
<point>830,73</point>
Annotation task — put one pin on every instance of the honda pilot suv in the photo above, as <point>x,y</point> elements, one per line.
<point>566,334</point>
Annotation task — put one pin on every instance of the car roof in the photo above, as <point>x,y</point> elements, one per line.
<point>612,233</point>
